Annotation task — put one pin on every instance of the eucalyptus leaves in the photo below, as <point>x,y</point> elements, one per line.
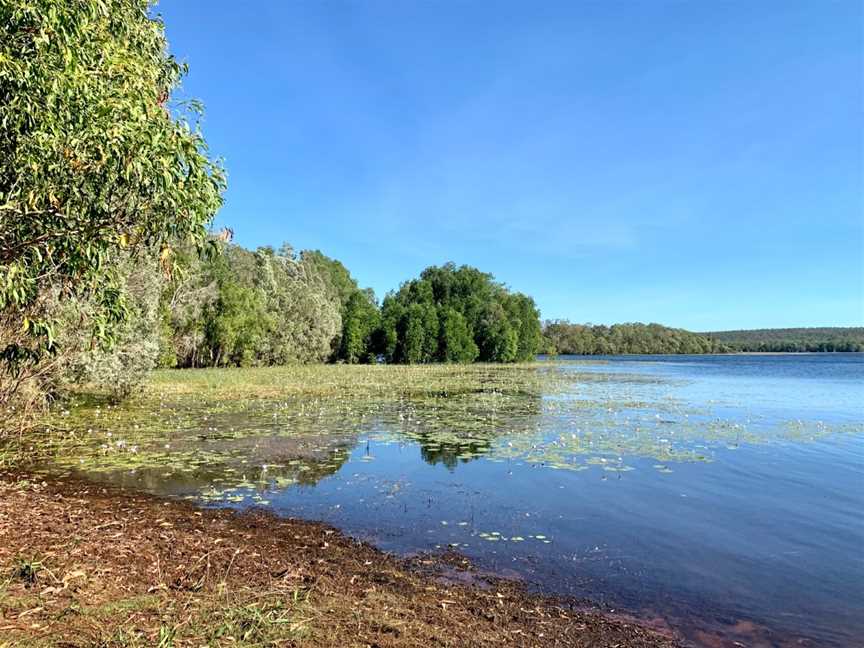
<point>95,162</point>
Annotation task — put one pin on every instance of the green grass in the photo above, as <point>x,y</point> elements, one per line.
<point>349,380</point>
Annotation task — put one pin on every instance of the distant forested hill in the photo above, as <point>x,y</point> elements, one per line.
<point>792,339</point>
<point>563,337</point>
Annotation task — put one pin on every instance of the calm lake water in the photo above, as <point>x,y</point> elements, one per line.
<point>723,494</point>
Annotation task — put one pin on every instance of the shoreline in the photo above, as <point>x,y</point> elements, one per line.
<point>93,564</point>
<point>696,355</point>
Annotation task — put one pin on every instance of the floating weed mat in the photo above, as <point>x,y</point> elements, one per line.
<point>235,435</point>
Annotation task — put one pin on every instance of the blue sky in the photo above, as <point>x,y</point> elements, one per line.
<point>697,164</point>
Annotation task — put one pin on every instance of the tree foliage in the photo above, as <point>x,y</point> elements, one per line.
<point>358,309</point>
<point>562,337</point>
<point>246,308</point>
<point>360,323</point>
<point>121,368</point>
<point>825,339</point>
<point>452,314</point>
<point>95,163</point>
<point>278,307</point>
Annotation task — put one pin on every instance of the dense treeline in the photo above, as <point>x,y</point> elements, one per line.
<point>455,314</point>
<point>825,339</point>
<point>272,307</point>
<point>223,305</point>
<point>562,337</point>
<point>243,308</point>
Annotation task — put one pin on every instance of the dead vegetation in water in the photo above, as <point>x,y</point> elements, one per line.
<point>83,565</point>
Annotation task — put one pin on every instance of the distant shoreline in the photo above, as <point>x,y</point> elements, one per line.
<point>788,353</point>
<point>729,353</point>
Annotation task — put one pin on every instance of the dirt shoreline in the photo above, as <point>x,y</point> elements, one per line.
<point>85,565</point>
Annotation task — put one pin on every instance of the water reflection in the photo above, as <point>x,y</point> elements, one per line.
<point>579,420</point>
<point>677,484</point>
<point>451,454</point>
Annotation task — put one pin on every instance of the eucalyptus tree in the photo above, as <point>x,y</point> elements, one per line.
<point>305,312</point>
<point>96,161</point>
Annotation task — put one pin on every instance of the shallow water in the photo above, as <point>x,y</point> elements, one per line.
<point>721,493</point>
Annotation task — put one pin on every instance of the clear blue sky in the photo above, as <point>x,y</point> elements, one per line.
<point>697,163</point>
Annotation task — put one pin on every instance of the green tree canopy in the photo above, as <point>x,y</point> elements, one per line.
<point>560,336</point>
<point>824,339</point>
<point>359,323</point>
<point>458,314</point>
<point>95,161</point>
<point>241,307</point>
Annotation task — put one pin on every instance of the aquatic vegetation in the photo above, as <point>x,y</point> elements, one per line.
<point>520,467</point>
<point>232,436</point>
